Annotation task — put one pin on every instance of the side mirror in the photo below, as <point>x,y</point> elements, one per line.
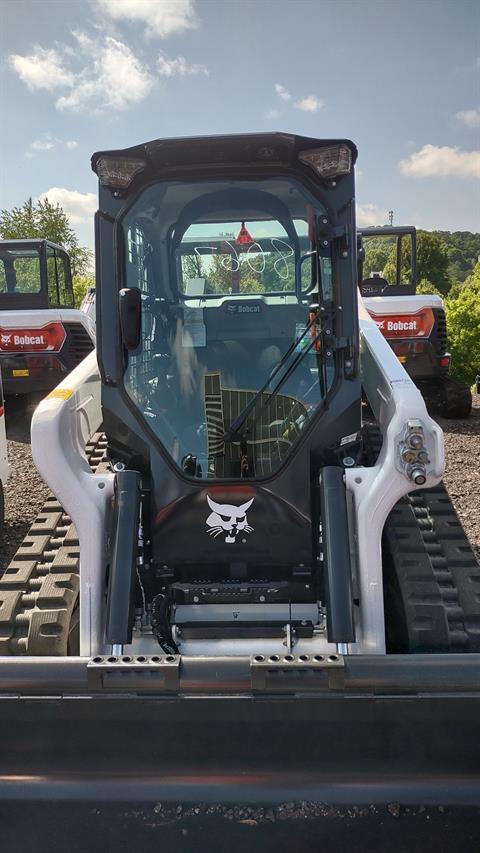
<point>130,304</point>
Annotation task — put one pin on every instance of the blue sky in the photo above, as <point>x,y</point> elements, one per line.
<point>400,79</point>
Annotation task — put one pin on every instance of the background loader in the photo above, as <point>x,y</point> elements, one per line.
<point>414,324</point>
<point>42,335</point>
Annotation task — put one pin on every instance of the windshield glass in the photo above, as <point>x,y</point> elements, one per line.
<point>19,271</point>
<point>227,274</point>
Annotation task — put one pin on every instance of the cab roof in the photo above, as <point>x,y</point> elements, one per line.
<point>228,150</point>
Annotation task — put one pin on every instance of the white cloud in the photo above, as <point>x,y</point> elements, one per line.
<point>272,115</point>
<point>42,69</point>
<point>161,17</point>
<point>113,78</point>
<point>470,118</point>
<point>309,104</point>
<point>282,92</point>
<point>79,207</point>
<point>47,142</point>
<point>370,214</point>
<point>442,161</point>
<point>179,67</point>
<point>101,72</point>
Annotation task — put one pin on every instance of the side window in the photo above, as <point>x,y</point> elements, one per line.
<point>60,294</point>
<point>65,291</point>
<point>20,273</point>
<point>141,366</point>
<point>53,297</point>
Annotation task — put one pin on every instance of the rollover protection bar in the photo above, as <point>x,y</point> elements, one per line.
<point>404,729</point>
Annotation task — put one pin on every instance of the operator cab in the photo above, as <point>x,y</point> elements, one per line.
<point>229,368</point>
<point>34,274</point>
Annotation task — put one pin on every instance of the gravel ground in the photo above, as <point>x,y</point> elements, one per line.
<point>462,477</point>
<point>26,492</point>
<point>288,828</point>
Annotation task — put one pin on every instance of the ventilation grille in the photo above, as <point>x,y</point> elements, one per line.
<point>440,332</point>
<point>79,342</point>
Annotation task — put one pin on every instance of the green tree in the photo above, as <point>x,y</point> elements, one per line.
<point>463,325</point>
<point>192,267</point>
<point>43,220</point>
<point>377,251</point>
<point>81,283</point>
<point>432,262</point>
<point>425,286</point>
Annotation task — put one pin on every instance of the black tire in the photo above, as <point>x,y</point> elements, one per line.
<point>456,399</point>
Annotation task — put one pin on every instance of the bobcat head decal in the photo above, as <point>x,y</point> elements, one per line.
<point>228,519</point>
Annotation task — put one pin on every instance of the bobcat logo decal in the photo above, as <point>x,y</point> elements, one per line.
<point>228,519</point>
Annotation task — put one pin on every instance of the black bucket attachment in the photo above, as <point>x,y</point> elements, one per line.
<point>338,730</point>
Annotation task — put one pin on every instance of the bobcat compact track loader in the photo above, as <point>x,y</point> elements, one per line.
<point>275,597</point>
<point>42,335</point>
<point>414,324</point>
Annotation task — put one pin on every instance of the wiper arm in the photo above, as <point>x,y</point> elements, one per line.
<point>235,427</point>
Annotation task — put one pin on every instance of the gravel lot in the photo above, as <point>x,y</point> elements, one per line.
<point>26,492</point>
<point>462,477</point>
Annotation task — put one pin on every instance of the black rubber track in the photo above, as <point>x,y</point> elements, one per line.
<point>430,573</point>
<point>431,577</point>
<point>39,588</point>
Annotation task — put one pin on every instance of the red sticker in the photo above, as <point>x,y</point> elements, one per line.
<point>49,338</point>
<point>417,325</point>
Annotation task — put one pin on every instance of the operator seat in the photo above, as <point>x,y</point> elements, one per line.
<point>272,429</point>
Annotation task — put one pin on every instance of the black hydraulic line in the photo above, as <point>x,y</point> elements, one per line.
<point>336,556</point>
<point>123,564</point>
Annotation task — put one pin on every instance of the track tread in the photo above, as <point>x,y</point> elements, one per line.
<point>431,574</point>
<point>39,588</point>
<point>430,560</point>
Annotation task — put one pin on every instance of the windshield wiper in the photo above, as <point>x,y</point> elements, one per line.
<point>234,430</point>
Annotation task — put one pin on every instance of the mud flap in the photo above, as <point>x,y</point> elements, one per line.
<point>402,728</point>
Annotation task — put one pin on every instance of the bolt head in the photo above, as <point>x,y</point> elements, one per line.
<point>416,441</point>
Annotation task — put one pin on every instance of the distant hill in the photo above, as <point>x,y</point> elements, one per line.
<point>463,249</point>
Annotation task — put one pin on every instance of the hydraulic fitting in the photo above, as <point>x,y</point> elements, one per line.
<point>413,454</point>
<point>417,473</point>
